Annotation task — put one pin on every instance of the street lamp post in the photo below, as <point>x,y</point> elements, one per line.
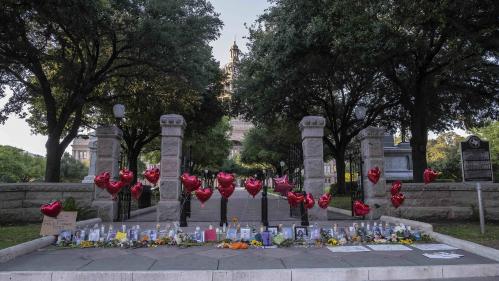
<point>265,218</point>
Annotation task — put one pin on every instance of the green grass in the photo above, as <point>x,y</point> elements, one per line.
<point>471,231</point>
<point>342,202</point>
<point>13,235</point>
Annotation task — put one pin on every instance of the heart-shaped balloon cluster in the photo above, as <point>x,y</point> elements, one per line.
<point>136,190</point>
<point>52,209</point>
<point>397,197</point>
<point>374,174</point>
<point>396,187</point>
<point>190,182</point>
<point>282,185</point>
<point>429,175</point>
<point>126,176</point>
<point>360,209</point>
<point>203,194</point>
<point>253,186</point>
<point>225,184</point>
<point>324,200</point>
<point>226,191</point>
<point>225,179</point>
<point>102,180</point>
<point>295,198</point>
<point>397,200</point>
<point>114,188</point>
<point>152,175</point>
<point>309,201</point>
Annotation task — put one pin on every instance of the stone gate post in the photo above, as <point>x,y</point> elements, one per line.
<point>92,147</point>
<point>107,160</point>
<point>172,134</point>
<point>371,145</point>
<point>312,132</point>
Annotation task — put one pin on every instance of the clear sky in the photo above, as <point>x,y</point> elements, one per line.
<point>234,14</point>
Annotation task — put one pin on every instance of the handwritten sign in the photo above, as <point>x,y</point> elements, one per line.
<point>475,156</point>
<point>64,221</point>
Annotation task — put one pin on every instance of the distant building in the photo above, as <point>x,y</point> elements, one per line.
<point>80,149</point>
<point>239,126</point>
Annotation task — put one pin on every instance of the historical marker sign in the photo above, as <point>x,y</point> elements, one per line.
<point>475,159</point>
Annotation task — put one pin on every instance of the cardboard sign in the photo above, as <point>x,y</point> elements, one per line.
<point>64,221</point>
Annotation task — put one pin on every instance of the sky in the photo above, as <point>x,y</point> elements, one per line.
<point>233,13</point>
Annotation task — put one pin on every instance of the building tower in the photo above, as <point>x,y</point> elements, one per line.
<point>239,126</point>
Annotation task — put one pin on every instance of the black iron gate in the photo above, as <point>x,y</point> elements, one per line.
<point>294,172</point>
<point>355,174</point>
<point>185,198</point>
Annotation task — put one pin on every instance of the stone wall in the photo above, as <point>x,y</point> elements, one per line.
<point>20,202</point>
<point>440,201</point>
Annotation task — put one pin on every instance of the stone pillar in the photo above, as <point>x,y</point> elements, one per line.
<point>107,160</point>
<point>371,145</point>
<point>92,146</point>
<point>172,134</point>
<point>312,132</point>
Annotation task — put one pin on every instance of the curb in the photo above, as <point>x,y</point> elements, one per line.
<point>340,211</point>
<point>468,246</point>
<point>421,225</point>
<point>137,212</point>
<point>15,251</point>
<point>350,274</point>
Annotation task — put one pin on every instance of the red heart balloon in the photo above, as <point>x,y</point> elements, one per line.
<point>226,191</point>
<point>225,179</point>
<point>398,199</point>
<point>126,176</point>
<point>152,175</point>
<point>190,183</point>
<point>396,187</point>
<point>429,175</point>
<point>360,209</point>
<point>295,198</point>
<point>52,209</point>
<point>282,185</point>
<point>114,188</point>
<point>374,174</point>
<point>324,200</point>
<point>136,190</point>
<point>203,194</point>
<point>102,180</point>
<point>253,186</point>
<point>309,201</point>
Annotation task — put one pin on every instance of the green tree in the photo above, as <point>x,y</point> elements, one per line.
<point>491,134</point>
<point>17,165</point>
<point>442,58</point>
<point>315,58</point>
<point>72,170</point>
<point>56,55</point>
<point>444,156</point>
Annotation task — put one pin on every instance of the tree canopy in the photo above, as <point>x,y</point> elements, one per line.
<point>56,56</point>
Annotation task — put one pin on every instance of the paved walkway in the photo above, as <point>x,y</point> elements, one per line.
<point>240,205</point>
<point>211,258</point>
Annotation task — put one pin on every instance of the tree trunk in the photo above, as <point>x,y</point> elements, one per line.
<point>339,156</point>
<point>53,163</point>
<point>419,140</point>
<point>132,159</point>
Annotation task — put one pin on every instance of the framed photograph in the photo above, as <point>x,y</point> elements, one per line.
<point>301,232</point>
<point>287,232</point>
<point>245,233</point>
<point>273,229</point>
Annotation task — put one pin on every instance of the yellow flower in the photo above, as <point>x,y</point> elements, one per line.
<point>332,242</point>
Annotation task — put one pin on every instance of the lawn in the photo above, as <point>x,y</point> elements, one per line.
<point>342,202</point>
<point>11,235</point>
<point>470,231</point>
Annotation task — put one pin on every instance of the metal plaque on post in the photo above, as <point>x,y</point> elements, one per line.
<point>475,159</point>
